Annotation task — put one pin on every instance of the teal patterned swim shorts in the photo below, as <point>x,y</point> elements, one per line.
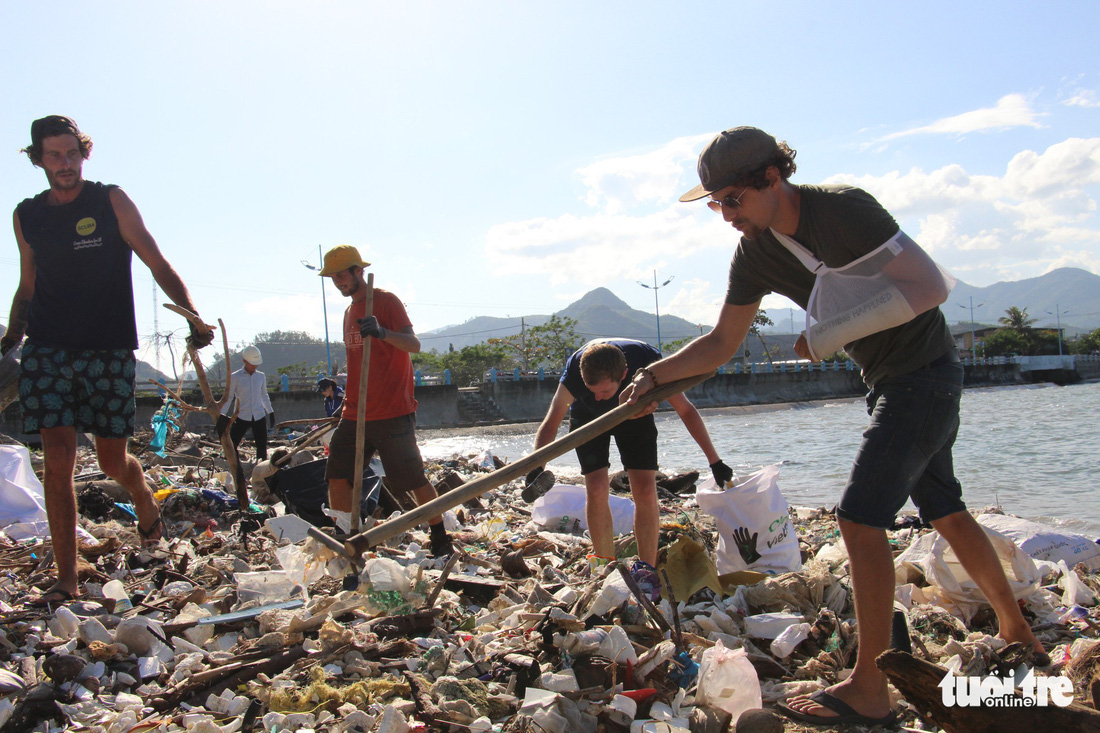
<point>88,389</point>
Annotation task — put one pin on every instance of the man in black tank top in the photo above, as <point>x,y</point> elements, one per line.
<point>75,305</point>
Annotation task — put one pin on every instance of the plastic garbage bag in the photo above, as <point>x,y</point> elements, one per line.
<point>22,496</point>
<point>728,680</point>
<point>950,585</point>
<point>562,508</point>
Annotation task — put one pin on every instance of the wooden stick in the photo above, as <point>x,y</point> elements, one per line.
<point>354,546</point>
<point>361,415</point>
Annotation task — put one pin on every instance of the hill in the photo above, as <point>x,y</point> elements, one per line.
<point>599,313</point>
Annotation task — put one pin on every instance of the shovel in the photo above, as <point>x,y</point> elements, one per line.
<point>356,545</point>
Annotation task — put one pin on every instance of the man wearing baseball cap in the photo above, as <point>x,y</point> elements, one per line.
<point>796,237</point>
<point>390,417</point>
<point>75,304</point>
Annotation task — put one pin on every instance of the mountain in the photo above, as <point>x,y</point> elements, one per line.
<point>598,313</point>
<point>1071,291</point>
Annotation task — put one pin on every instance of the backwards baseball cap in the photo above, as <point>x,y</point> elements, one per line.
<point>341,257</point>
<point>729,156</point>
<point>52,125</point>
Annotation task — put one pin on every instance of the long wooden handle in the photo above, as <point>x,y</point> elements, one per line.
<point>361,415</point>
<point>360,543</point>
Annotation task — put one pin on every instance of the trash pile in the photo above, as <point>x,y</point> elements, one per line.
<point>240,621</point>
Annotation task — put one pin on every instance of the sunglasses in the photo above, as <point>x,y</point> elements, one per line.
<point>733,203</point>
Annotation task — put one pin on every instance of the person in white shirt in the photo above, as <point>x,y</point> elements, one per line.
<point>248,388</point>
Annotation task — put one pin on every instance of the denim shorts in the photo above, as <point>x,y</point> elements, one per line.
<point>906,450</point>
<point>91,390</point>
<point>636,440</point>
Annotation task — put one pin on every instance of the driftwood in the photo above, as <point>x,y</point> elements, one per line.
<point>918,681</point>
<point>213,407</point>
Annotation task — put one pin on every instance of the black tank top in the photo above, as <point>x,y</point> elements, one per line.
<point>83,291</point>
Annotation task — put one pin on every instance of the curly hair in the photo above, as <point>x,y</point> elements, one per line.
<point>50,127</point>
<point>602,361</point>
<point>783,160</point>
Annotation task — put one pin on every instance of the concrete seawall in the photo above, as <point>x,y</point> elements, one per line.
<point>442,406</point>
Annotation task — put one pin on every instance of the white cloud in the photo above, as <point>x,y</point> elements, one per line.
<point>619,183</point>
<point>983,228</point>
<point>1083,98</point>
<point>1043,200</point>
<point>1011,110</point>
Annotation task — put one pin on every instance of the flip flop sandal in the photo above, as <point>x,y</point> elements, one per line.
<point>147,537</point>
<point>42,601</point>
<point>845,713</point>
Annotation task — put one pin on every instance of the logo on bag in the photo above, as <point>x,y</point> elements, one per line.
<point>746,544</point>
<point>999,692</point>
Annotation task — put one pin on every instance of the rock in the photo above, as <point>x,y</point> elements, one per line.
<point>63,668</point>
<point>758,720</point>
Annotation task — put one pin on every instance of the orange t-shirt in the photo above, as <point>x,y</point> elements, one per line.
<point>390,376</point>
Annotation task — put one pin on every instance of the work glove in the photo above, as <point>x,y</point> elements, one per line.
<point>534,474</point>
<point>197,339</point>
<point>369,327</point>
<point>271,421</point>
<point>722,473</point>
<point>7,344</point>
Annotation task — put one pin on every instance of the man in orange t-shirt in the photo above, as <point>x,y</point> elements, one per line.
<point>390,418</point>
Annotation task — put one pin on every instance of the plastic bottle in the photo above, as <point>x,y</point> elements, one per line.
<point>115,590</point>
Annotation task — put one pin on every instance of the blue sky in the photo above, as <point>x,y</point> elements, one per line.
<point>504,158</point>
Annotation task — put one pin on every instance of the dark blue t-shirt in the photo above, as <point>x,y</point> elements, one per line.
<point>638,354</point>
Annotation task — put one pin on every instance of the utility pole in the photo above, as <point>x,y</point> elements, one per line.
<point>523,342</point>
<point>656,305</point>
<point>324,305</point>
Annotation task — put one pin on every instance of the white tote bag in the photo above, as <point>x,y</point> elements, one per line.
<point>754,529</point>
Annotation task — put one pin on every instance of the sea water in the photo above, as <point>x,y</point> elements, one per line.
<point>1033,450</point>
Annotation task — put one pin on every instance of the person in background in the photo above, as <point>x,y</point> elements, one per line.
<point>390,417</point>
<point>908,358</point>
<point>248,390</point>
<point>334,395</point>
<point>589,387</point>
<point>75,304</point>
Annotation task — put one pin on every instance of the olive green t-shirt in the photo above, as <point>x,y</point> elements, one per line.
<point>837,224</point>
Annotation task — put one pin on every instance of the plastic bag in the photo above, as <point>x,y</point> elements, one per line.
<point>950,585</point>
<point>728,680</point>
<point>561,509</point>
<point>753,526</point>
<point>1043,542</point>
<point>22,497</point>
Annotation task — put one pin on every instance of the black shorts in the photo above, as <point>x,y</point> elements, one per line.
<point>636,440</point>
<point>395,441</point>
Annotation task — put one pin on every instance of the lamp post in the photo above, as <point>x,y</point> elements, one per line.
<point>656,305</point>
<point>324,305</point>
<point>1059,313</point>
<point>973,342</point>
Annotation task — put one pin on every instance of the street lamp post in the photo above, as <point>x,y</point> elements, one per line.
<point>656,305</point>
<point>1059,313</point>
<point>324,306</point>
<point>973,341</point>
